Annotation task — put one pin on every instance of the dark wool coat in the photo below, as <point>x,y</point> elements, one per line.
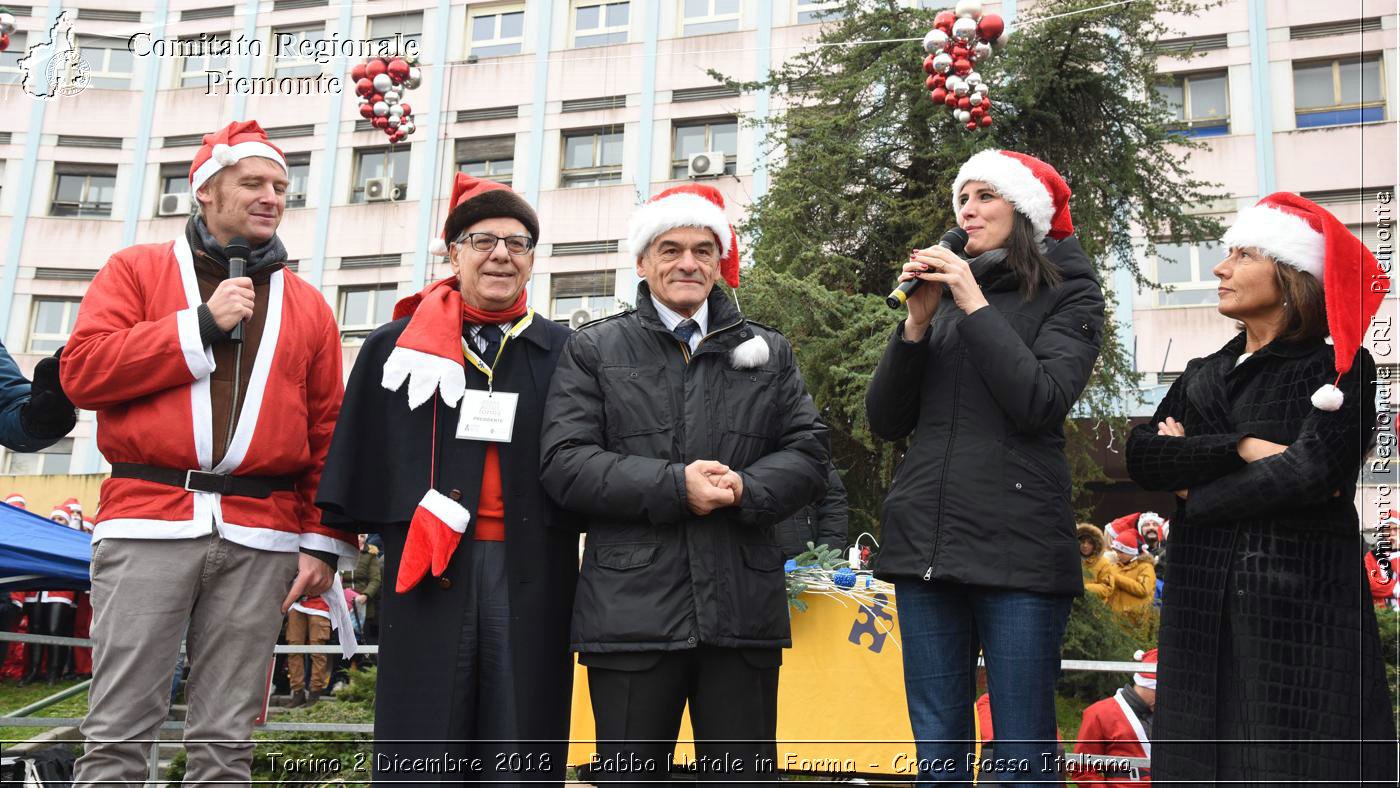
<point>375,475</point>
<point>1267,629</point>
<point>985,484</point>
<point>627,412</point>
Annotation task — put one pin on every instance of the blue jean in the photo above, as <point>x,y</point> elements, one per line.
<point>941,626</point>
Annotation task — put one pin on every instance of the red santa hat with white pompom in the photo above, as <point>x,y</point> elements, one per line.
<point>226,147</point>
<point>1145,679</point>
<point>1303,235</point>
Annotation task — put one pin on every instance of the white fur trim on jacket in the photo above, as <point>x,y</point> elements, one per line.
<point>1282,236</point>
<point>425,373</point>
<point>1016,184</point>
<point>452,514</point>
<point>678,210</point>
<point>227,156</point>
<point>751,353</point>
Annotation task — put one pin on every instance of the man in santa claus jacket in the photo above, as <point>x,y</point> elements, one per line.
<point>1120,726</point>
<point>216,445</point>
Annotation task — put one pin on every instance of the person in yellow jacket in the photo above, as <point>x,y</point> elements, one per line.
<point>1134,577</point>
<point>1098,574</point>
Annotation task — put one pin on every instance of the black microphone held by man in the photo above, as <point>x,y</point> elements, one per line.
<point>237,253</point>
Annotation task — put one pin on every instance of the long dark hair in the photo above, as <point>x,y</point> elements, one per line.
<point>1025,259</point>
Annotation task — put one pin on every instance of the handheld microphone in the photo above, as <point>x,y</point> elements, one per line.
<point>237,253</point>
<point>954,240</point>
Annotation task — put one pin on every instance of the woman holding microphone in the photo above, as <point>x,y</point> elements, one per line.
<point>979,537</point>
<point>1272,670</point>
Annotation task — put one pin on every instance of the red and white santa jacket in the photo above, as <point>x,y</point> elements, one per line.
<point>135,356</point>
<point>1111,729</point>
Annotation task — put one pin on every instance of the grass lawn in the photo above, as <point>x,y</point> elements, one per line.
<point>14,697</point>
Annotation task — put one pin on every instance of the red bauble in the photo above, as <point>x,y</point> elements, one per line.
<point>363,87</point>
<point>375,98</point>
<point>928,65</point>
<point>931,82</point>
<point>367,111</point>
<point>986,120</point>
<point>375,67</point>
<point>407,110</point>
<point>939,95</point>
<point>358,72</point>
<point>4,42</point>
<point>963,67</point>
<point>977,113</point>
<point>398,69</point>
<point>380,122</point>
<point>972,125</point>
<point>939,80</point>
<point>961,51</point>
<point>944,20</point>
<point>990,27</point>
<point>965,103</point>
<point>951,100</point>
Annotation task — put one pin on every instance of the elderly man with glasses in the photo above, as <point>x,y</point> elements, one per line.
<point>437,450</point>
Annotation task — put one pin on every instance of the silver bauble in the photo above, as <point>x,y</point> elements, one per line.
<point>970,8</point>
<point>942,62</point>
<point>383,83</point>
<point>381,109</point>
<point>964,29</point>
<point>981,51</point>
<point>391,97</point>
<point>934,41</point>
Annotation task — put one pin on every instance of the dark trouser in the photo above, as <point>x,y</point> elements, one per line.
<point>49,618</point>
<point>1020,632</point>
<point>733,695</point>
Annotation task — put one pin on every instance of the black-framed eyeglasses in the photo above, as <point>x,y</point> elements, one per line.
<point>486,242</point>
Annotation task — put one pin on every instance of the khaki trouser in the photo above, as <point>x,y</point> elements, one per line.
<point>145,592</point>
<point>304,629</point>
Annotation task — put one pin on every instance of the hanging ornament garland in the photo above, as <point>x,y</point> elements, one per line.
<point>7,26</point>
<point>381,83</point>
<point>961,39</point>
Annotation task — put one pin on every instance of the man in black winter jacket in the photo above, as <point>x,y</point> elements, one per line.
<point>821,522</point>
<point>683,433</point>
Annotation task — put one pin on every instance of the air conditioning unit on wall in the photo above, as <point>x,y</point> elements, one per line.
<point>706,165</point>
<point>174,205</point>
<point>380,190</point>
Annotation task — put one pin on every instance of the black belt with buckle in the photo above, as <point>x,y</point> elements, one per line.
<point>206,481</point>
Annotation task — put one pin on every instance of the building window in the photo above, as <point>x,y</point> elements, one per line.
<point>83,191</point>
<point>1187,268</point>
<point>50,323</point>
<point>9,59</point>
<point>109,63</point>
<point>592,157</point>
<point>396,30</point>
<point>497,31</point>
<point>1200,103</point>
<point>591,291</point>
<point>692,137</point>
<point>700,17</point>
<point>54,460</point>
<point>820,10</point>
<point>175,178</point>
<point>363,309</point>
<point>487,157</point>
<point>389,162</point>
<point>298,171</point>
<point>1338,92</point>
<point>600,23</point>
<point>293,50</point>
<point>193,66</point>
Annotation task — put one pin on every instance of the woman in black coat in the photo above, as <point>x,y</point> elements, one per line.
<point>978,533</point>
<point>475,676</point>
<point>1270,665</point>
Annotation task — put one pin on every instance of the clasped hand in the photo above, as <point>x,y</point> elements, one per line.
<point>711,485</point>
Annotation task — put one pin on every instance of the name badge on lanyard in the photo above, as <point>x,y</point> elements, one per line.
<point>489,415</point>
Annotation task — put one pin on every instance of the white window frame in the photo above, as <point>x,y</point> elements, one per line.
<point>96,71</point>
<point>357,185</point>
<point>57,449</point>
<point>18,41</point>
<point>497,11</point>
<point>731,160</point>
<point>1336,64</point>
<point>683,21</point>
<point>405,37</point>
<point>490,174</point>
<point>184,73</point>
<point>602,29</point>
<point>801,7</point>
<point>1188,118</point>
<point>70,316</point>
<point>88,172</point>
<point>1201,279</point>
<point>356,332</point>
<point>598,174</point>
<point>276,64</point>
<point>298,160</point>
<point>598,304</point>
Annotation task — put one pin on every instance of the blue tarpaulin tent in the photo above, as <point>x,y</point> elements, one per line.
<point>38,553</point>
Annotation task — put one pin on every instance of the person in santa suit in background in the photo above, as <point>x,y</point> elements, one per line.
<point>79,663</point>
<point>1382,568</point>
<point>50,613</point>
<point>12,616</point>
<point>217,442</point>
<point>1121,726</point>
